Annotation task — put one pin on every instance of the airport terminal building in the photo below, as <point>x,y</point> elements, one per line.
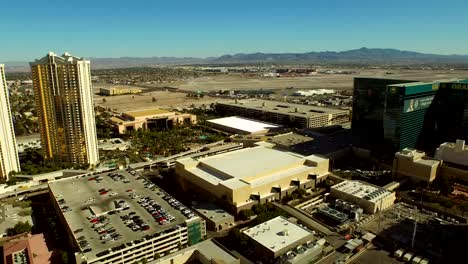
<point>248,176</point>
<point>286,114</point>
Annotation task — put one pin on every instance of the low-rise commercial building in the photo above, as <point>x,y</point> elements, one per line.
<point>216,218</point>
<point>450,161</point>
<point>455,153</point>
<point>287,114</point>
<point>26,248</point>
<point>414,164</point>
<point>289,141</point>
<point>114,218</point>
<point>279,237</point>
<point>150,119</point>
<point>369,197</point>
<point>208,251</point>
<point>240,125</point>
<point>109,91</point>
<point>252,175</point>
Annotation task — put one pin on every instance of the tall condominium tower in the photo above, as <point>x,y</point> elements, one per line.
<point>64,103</point>
<point>8,155</point>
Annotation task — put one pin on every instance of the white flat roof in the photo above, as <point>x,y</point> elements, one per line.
<point>277,234</point>
<point>251,162</point>
<point>361,190</point>
<point>243,124</point>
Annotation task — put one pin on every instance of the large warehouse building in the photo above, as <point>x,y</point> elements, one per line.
<point>287,114</point>
<point>248,176</point>
<point>369,197</point>
<point>120,220</point>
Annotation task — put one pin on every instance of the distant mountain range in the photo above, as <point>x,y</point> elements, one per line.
<point>362,56</point>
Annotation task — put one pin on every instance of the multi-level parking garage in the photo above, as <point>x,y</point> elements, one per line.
<point>120,217</point>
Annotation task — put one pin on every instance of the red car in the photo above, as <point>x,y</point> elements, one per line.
<point>104,192</point>
<point>145,228</point>
<point>130,190</point>
<point>92,179</point>
<point>94,220</point>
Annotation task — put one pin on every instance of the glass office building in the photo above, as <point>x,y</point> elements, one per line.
<point>415,112</point>
<point>446,119</point>
<point>368,110</point>
<point>390,115</point>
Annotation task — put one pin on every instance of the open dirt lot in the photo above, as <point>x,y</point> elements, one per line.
<point>319,81</point>
<point>166,99</point>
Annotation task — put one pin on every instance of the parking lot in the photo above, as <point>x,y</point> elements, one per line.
<point>109,209</point>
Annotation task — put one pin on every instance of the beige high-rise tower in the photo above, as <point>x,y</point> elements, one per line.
<point>64,103</point>
<point>8,154</point>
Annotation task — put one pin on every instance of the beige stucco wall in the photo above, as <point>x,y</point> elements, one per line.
<point>240,194</point>
<point>404,166</point>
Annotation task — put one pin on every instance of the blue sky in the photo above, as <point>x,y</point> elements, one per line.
<point>103,28</point>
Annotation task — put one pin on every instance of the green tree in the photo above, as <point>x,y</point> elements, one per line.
<point>156,255</point>
<point>19,228</point>
<point>104,100</point>
<point>64,256</point>
<point>259,208</point>
<point>153,99</point>
<point>246,214</point>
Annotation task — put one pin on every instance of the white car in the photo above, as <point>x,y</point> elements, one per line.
<point>113,193</point>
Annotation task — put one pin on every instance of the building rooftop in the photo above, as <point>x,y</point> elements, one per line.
<point>32,248</point>
<point>414,84</point>
<point>278,234</point>
<point>119,88</point>
<point>250,166</point>
<point>458,146</point>
<point>65,58</point>
<point>117,120</point>
<point>147,112</point>
<point>243,124</point>
<point>283,107</point>
<point>418,157</point>
<point>214,251</point>
<point>209,249</point>
<point>289,139</point>
<point>361,190</point>
<point>83,197</point>
<point>455,153</point>
<point>212,212</point>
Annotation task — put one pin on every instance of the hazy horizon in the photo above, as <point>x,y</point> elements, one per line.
<point>113,29</point>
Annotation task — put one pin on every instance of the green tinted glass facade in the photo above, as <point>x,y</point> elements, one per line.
<point>413,112</point>
<point>368,109</point>
<point>405,109</point>
<point>194,230</point>
<point>447,118</point>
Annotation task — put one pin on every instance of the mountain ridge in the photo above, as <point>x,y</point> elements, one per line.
<point>362,56</point>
